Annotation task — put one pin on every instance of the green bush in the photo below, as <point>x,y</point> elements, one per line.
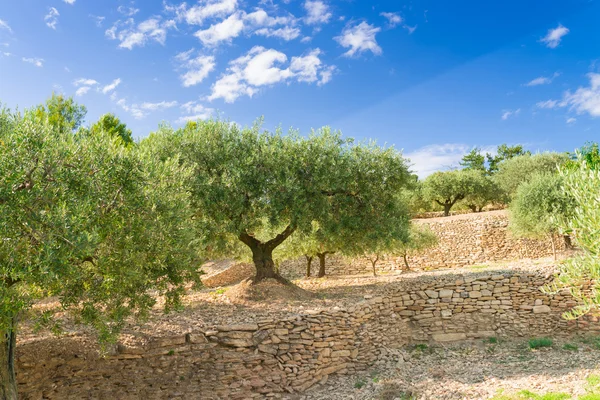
<point>536,343</point>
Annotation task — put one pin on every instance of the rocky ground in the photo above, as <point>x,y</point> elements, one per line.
<point>474,370</point>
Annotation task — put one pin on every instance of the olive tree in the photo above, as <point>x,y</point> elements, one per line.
<point>112,125</point>
<point>515,171</point>
<point>259,188</point>
<point>63,113</point>
<point>449,187</point>
<point>582,184</point>
<point>539,208</point>
<point>483,191</point>
<point>420,237</point>
<point>86,220</point>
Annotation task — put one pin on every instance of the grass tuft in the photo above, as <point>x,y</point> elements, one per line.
<point>536,343</point>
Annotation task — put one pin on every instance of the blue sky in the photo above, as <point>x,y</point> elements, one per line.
<point>433,78</point>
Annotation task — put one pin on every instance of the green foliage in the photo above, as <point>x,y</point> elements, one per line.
<point>583,186</point>
<point>520,169</point>
<point>111,125</point>
<point>449,187</point>
<point>491,340</point>
<point>90,222</point>
<point>62,113</point>
<point>540,206</point>
<point>258,188</point>
<point>570,347</point>
<point>504,153</point>
<point>536,343</point>
<point>474,160</point>
<point>420,237</point>
<point>483,191</point>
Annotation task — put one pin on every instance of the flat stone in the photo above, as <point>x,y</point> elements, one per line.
<point>448,337</point>
<point>541,309</point>
<point>238,327</point>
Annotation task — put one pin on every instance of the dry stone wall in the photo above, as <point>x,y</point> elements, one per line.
<point>466,239</point>
<point>275,357</point>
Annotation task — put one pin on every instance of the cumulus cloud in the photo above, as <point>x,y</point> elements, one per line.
<point>571,120</point>
<point>204,10</point>
<point>393,19</point>
<point>196,68</point>
<point>317,12</point>
<point>542,80</point>
<point>554,36</point>
<point>359,38</point>
<point>52,17</point>
<point>139,111</point>
<point>84,85</point>
<point>38,62</point>
<point>223,31</point>
<point>131,34</point>
<point>547,104</point>
<point>506,114</point>
<point>69,1</point>
<point>264,67</point>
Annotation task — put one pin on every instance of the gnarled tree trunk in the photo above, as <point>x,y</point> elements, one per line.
<point>405,257</point>
<point>374,263</point>
<point>308,264</point>
<point>262,254</point>
<point>8,381</point>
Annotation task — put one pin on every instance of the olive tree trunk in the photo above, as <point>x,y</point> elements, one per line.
<point>374,263</point>
<point>308,264</point>
<point>8,381</point>
<point>405,257</point>
<point>321,264</point>
<point>262,254</point>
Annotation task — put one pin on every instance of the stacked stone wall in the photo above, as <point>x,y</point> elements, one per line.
<point>279,356</point>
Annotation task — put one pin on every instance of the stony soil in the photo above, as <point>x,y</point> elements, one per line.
<point>474,370</point>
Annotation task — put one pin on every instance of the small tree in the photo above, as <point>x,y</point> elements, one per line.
<point>62,113</point>
<point>474,160</point>
<point>90,222</point>
<point>582,184</point>
<point>515,171</point>
<point>504,153</point>
<point>420,237</point>
<point>540,207</point>
<point>449,187</point>
<point>483,191</point>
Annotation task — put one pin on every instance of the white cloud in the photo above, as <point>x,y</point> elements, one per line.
<point>393,19</point>
<point>112,86</point>
<point>585,99</point>
<point>163,105</point>
<point>98,19</point>
<point>264,67</point>
<point>196,68</point>
<point>439,157</point>
<point>554,36</point>
<point>128,11</point>
<point>195,112</point>
<point>82,90</point>
<point>130,35</point>
<point>359,38</point>
<point>52,17</point>
<point>547,104</point>
<point>4,25</point>
<point>506,114</point>
<point>206,9</point>
<point>223,31</point>
<point>542,80</point>
<point>571,120</point>
<point>84,82</point>
<point>69,1</point>
<point>287,33</point>
<point>317,12</point>
<point>38,62</point>
<point>410,29</point>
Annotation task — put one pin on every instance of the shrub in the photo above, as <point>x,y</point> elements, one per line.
<point>536,343</point>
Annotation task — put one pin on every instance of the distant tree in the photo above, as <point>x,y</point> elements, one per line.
<point>540,207</point>
<point>110,124</point>
<point>582,184</point>
<point>63,113</point>
<point>484,191</point>
<point>521,169</point>
<point>449,187</point>
<point>420,237</point>
<point>93,224</point>
<point>474,160</point>
<point>504,153</point>
<point>588,154</point>
<point>248,182</point>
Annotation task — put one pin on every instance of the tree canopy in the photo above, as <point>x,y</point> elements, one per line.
<point>90,222</point>
<point>448,187</point>
<point>62,112</point>
<point>111,125</point>
<point>259,187</point>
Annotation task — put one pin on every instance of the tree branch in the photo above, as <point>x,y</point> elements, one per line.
<point>277,240</point>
